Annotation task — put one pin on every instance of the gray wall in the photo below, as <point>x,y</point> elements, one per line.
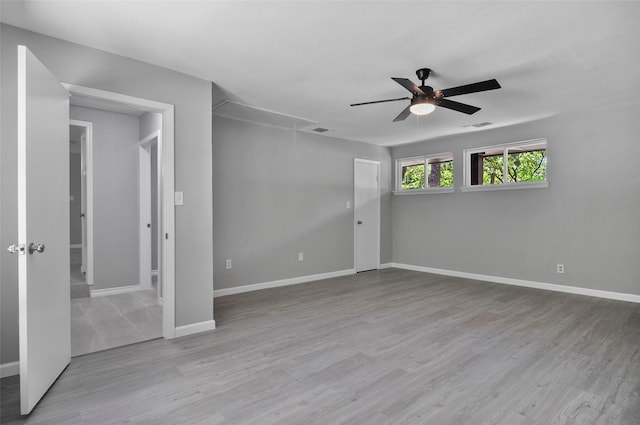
<point>586,219</point>
<point>116,256</point>
<point>276,194</point>
<point>94,68</point>
<point>75,206</point>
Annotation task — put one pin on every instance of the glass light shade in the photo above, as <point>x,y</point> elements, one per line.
<point>422,108</point>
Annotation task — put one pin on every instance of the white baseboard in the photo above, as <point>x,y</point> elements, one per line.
<point>385,266</point>
<point>114,291</point>
<point>282,282</point>
<point>75,245</point>
<point>195,328</point>
<point>9,369</point>
<point>620,296</point>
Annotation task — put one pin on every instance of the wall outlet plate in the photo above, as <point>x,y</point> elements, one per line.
<point>301,256</point>
<point>227,264</point>
<point>560,268</point>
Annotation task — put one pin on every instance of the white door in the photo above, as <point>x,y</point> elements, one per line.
<point>367,214</point>
<point>144,210</point>
<point>83,200</point>
<point>43,220</point>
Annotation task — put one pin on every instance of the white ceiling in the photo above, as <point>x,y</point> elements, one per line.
<point>312,59</point>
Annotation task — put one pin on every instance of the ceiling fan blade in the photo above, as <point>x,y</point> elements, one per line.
<point>470,88</point>
<point>379,101</point>
<point>457,106</point>
<point>403,115</point>
<point>407,84</point>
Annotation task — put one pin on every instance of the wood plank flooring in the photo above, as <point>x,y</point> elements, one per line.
<point>377,348</point>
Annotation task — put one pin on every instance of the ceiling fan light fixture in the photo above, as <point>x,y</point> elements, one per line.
<point>421,107</point>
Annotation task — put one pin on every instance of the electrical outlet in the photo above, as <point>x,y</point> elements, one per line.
<point>228,264</point>
<point>560,268</point>
<point>301,256</point>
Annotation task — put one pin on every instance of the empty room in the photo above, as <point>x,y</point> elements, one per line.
<point>319,212</point>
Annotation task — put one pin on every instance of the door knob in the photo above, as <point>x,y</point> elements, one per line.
<point>36,247</point>
<point>16,249</point>
<point>359,221</point>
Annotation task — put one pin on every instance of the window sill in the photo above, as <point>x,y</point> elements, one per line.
<point>429,191</point>
<point>507,186</point>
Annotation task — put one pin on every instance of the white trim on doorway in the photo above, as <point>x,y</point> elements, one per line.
<point>166,183</point>
<point>145,210</point>
<point>87,170</point>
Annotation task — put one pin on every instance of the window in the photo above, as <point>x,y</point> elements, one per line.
<point>509,166</point>
<point>429,173</point>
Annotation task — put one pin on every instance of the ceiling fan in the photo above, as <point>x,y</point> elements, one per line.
<point>425,99</point>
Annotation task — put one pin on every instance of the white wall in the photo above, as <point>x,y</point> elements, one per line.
<point>191,97</point>
<point>277,193</point>
<point>116,256</point>
<point>587,219</point>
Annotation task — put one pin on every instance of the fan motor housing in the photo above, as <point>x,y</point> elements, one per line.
<point>427,90</point>
<point>423,74</point>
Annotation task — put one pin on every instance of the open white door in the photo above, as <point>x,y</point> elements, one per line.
<point>367,214</point>
<point>43,228</point>
<point>83,199</point>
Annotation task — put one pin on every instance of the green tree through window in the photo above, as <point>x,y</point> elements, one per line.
<point>438,174</point>
<point>518,162</point>
<point>527,166</point>
<point>413,177</point>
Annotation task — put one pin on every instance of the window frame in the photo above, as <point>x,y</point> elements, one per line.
<point>466,169</point>
<point>425,190</point>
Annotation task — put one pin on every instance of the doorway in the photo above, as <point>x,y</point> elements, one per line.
<point>80,207</point>
<point>149,194</point>
<point>122,307</point>
<point>161,148</point>
<point>366,214</point>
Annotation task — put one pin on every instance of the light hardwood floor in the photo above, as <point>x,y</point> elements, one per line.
<point>383,347</point>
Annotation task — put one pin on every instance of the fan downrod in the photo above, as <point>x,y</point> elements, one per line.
<point>423,74</point>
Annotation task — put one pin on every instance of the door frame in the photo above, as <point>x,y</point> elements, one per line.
<point>166,182</point>
<point>87,177</point>
<point>145,210</point>
<point>355,212</point>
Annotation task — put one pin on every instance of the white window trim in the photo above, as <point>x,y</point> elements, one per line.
<point>540,184</point>
<point>466,172</point>
<point>430,191</point>
<point>426,190</point>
